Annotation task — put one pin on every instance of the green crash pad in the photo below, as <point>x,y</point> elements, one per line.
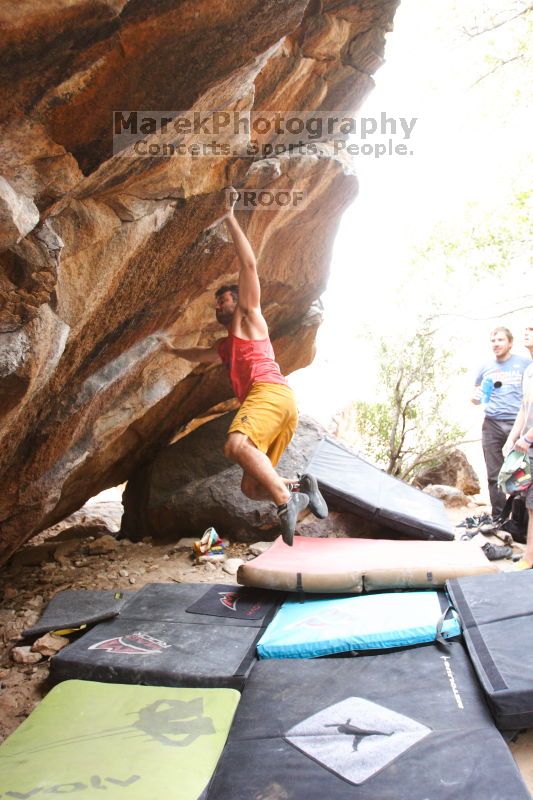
<point>131,742</point>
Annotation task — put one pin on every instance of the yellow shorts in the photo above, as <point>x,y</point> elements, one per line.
<point>268,417</point>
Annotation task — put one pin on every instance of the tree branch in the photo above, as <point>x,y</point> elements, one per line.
<point>497,66</point>
<point>482,319</point>
<point>473,33</point>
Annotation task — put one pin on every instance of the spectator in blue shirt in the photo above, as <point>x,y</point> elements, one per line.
<point>498,386</point>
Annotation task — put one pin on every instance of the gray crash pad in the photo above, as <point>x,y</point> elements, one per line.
<point>160,639</point>
<point>496,612</point>
<point>412,724</point>
<point>77,608</point>
<point>356,485</point>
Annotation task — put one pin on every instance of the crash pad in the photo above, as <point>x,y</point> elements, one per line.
<point>357,565</point>
<point>497,616</point>
<point>354,484</point>
<point>86,739</point>
<point>76,608</point>
<point>409,724</point>
<point>198,603</point>
<point>157,641</point>
<point>308,627</point>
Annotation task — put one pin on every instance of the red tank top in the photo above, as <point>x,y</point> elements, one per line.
<point>249,362</point>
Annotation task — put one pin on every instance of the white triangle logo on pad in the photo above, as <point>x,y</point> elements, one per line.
<point>356,738</point>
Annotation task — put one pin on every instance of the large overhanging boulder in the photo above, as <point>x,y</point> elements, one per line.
<point>100,250</point>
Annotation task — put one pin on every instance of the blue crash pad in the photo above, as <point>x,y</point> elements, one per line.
<point>309,627</point>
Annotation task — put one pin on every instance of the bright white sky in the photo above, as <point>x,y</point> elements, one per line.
<point>470,147</point>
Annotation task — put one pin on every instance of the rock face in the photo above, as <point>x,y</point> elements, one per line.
<point>102,248</point>
<point>455,470</point>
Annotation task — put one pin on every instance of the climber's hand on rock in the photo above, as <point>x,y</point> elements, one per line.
<point>164,342</point>
<point>232,195</point>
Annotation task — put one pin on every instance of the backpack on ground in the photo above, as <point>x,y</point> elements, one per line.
<point>514,517</point>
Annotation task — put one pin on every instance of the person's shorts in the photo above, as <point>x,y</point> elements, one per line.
<point>268,417</point>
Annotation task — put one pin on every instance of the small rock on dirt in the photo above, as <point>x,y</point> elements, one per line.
<point>232,565</point>
<point>257,548</point>
<point>49,645</point>
<point>24,655</point>
<point>186,543</point>
<point>106,544</point>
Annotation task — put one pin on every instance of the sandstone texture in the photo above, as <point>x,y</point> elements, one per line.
<point>102,248</point>
<point>454,470</point>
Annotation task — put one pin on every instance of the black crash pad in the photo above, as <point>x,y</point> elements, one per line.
<point>199,603</point>
<point>497,616</point>
<point>156,641</point>
<point>356,485</point>
<point>74,608</point>
<point>412,724</point>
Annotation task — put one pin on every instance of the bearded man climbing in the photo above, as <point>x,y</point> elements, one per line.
<point>267,418</point>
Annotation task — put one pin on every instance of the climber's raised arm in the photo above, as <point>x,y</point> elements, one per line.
<point>199,355</point>
<point>249,302</point>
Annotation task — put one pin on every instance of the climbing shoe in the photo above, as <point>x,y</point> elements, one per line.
<point>522,564</point>
<point>490,525</point>
<point>496,551</point>
<point>288,515</point>
<point>475,521</point>
<point>308,484</point>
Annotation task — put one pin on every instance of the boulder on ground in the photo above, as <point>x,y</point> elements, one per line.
<point>450,495</point>
<point>454,470</point>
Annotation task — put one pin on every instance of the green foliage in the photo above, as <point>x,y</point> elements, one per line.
<point>373,422</point>
<point>405,430</point>
<point>487,242</point>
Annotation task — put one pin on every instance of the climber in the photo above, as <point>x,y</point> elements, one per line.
<point>267,418</point>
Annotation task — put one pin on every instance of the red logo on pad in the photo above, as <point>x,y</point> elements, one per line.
<point>229,600</point>
<point>138,643</point>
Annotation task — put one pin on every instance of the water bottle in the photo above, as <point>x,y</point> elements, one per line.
<point>487,387</point>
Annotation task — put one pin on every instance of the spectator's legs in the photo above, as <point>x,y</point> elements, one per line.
<point>493,437</point>
<point>528,554</point>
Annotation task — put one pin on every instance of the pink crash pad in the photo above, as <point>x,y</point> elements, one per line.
<point>358,565</point>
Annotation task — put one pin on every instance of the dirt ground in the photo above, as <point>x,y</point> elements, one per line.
<point>36,574</point>
<point>27,587</point>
